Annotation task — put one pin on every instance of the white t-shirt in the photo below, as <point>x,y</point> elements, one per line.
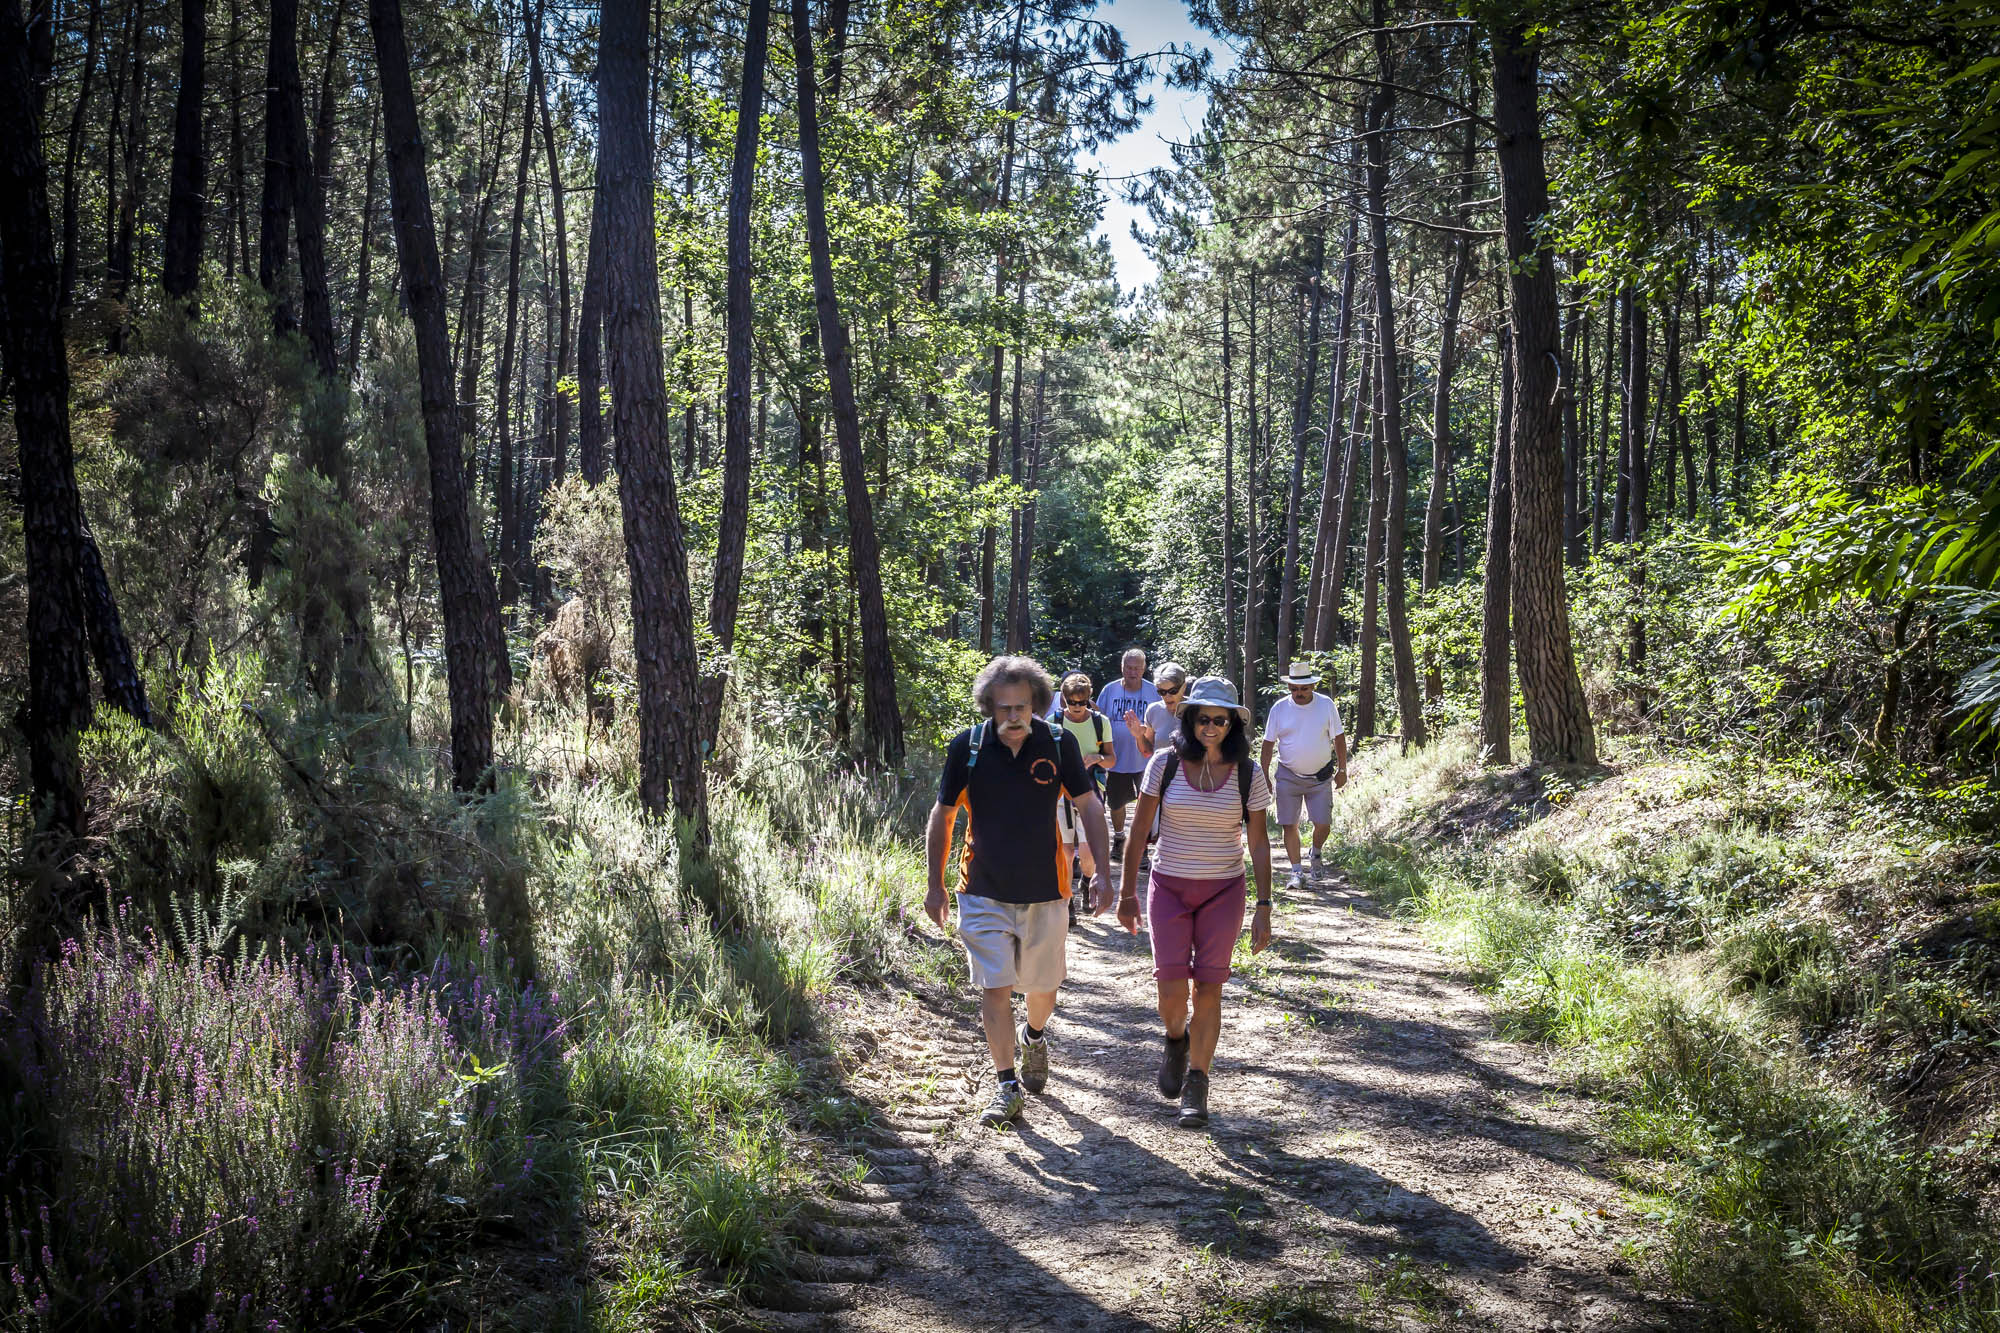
<point>1201,832</point>
<point>1166,725</point>
<point>1304,735</point>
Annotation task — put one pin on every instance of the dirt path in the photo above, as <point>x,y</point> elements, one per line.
<point>1375,1159</point>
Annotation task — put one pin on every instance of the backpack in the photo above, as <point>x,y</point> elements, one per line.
<point>1173,766</point>
<point>980,732</point>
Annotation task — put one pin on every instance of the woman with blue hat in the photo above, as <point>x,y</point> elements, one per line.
<point>1208,794</point>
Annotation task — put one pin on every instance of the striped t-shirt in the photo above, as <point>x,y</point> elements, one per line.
<point>1201,832</point>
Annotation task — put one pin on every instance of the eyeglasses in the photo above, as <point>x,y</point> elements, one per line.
<point>1213,720</point>
<point>1170,689</point>
<point>1083,702</point>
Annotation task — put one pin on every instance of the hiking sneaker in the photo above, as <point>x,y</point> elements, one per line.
<point>1032,1063</point>
<point>1173,1067</point>
<point>1006,1104</point>
<point>1318,862</point>
<point>1118,846</point>
<point>1298,880</point>
<point>1194,1100</point>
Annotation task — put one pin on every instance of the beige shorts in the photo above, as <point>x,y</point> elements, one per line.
<point>1022,945</point>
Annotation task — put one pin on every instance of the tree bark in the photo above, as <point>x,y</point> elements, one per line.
<point>281,64</point>
<point>1335,457</point>
<point>1253,583</point>
<point>1559,729</point>
<point>559,445</point>
<point>1232,649</point>
<point>1350,483</point>
<point>357,325</point>
<point>1371,567</point>
<point>1432,568</point>
<point>670,761</point>
<point>505,488</point>
<point>1409,700</point>
<point>734,526</point>
<point>124,218</point>
<point>93,28</point>
<point>182,268</point>
<point>880,713</point>
<point>1496,689</point>
<point>1288,579</point>
<point>589,354</point>
<point>469,603</point>
<point>989,539</point>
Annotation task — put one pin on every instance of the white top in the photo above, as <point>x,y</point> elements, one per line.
<point>1304,735</point>
<point>1165,724</point>
<point>1201,832</point>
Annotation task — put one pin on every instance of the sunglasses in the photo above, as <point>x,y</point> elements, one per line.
<point>1080,702</point>
<point>1214,719</point>
<point>1170,689</point>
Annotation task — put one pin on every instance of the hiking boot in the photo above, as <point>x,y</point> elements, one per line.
<point>1173,1066</point>
<point>1006,1104</point>
<point>1118,846</point>
<point>1032,1063</point>
<point>1194,1100</point>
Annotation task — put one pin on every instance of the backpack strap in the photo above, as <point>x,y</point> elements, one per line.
<point>978,740</point>
<point>1167,771</point>
<point>1097,726</point>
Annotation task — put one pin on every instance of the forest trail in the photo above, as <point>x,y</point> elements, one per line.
<point>1375,1159</point>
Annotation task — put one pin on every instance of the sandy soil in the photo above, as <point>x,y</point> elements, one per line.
<point>1375,1160</point>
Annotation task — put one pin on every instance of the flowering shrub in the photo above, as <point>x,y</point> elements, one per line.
<point>247,1143</point>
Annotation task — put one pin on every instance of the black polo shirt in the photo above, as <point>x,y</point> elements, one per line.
<point>1013,853</point>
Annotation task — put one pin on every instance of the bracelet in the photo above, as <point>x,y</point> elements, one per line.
<point>1263,902</point>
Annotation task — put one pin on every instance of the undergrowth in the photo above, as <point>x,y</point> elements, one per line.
<point>1785,990</point>
<point>286,1080</point>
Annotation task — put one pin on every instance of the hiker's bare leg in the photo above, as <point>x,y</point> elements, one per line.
<point>1041,1006</point>
<point>1206,1024</point>
<point>1319,835</point>
<point>1292,843</point>
<point>1174,1006</point>
<point>996,1015</point>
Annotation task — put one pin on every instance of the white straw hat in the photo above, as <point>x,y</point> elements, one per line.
<point>1301,674</point>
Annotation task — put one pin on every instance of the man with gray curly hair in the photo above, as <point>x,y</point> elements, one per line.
<point>1007,773</point>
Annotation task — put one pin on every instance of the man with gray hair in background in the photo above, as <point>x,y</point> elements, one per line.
<point>1007,773</point>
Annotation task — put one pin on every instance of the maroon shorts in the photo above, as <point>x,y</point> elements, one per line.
<point>1194,924</point>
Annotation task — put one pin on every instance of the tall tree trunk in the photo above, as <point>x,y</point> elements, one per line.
<point>1371,565</point>
<point>281,69</point>
<point>58,706</point>
<point>469,603</point>
<point>1496,689</point>
<point>1576,408</point>
<point>182,268</point>
<point>1598,473</point>
<point>1232,647</point>
<point>1334,457</point>
<point>239,181</point>
<point>1016,473</point>
<point>1253,560</point>
<point>125,220</point>
<point>1026,552</point>
<point>1559,729</point>
<point>1350,484</point>
<point>590,450</point>
<point>880,713</point>
<point>558,449</point>
<point>1633,479</point>
<point>1432,568</point>
<point>734,527</point>
<point>365,263</point>
<point>72,155</point>
<point>989,539</point>
<point>662,612</point>
<point>506,492</point>
<point>1409,699</point>
<point>1288,579</point>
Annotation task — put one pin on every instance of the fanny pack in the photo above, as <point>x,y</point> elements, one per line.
<point>1326,772</point>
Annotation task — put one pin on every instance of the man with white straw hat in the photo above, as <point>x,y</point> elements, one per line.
<point>1312,759</point>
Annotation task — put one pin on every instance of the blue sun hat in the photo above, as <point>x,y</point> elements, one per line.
<point>1214,692</point>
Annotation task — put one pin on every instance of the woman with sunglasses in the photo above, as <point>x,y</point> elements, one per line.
<point>1208,793</point>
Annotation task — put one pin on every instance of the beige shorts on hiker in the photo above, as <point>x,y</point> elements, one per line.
<point>1023,945</point>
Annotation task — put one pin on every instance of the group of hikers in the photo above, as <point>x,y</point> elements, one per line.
<point>1036,778</point>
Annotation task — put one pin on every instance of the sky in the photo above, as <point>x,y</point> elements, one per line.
<point>1148,25</point>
